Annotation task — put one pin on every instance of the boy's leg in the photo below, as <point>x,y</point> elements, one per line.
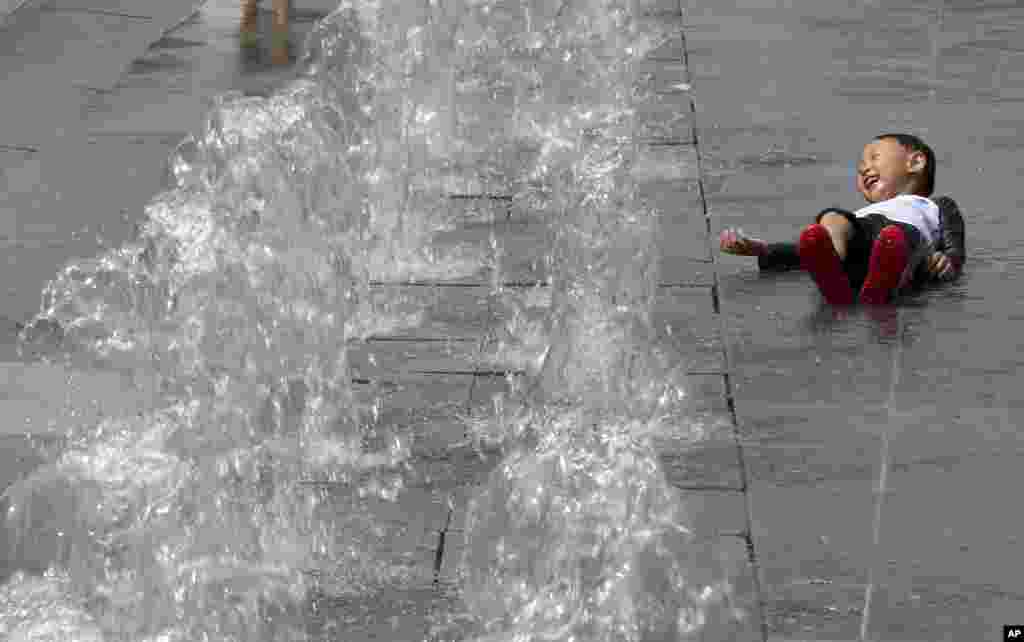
<point>840,228</point>
<point>823,247</point>
<point>896,253</point>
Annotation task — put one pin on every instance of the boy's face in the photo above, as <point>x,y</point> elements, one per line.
<point>886,169</point>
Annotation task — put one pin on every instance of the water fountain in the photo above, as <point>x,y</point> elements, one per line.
<point>209,516</point>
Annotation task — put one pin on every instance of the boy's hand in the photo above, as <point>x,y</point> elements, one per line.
<point>940,267</point>
<point>734,241</point>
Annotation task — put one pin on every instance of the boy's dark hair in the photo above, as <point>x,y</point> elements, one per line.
<point>915,144</point>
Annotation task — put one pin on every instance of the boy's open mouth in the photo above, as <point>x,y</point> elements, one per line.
<point>870,182</point>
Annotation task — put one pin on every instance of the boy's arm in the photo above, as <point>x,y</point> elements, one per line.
<point>951,243</point>
<point>779,257</point>
<point>771,257</point>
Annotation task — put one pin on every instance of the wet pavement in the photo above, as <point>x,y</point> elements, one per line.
<point>812,396</point>
<point>785,97</point>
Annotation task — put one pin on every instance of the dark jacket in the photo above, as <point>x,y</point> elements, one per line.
<point>784,256</point>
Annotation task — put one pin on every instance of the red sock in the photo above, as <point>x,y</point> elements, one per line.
<point>886,267</point>
<point>818,256</point>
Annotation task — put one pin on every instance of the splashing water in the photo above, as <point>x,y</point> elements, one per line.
<point>582,538</point>
<point>577,535</point>
<point>213,515</point>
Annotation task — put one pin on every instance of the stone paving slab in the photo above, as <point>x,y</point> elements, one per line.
<point>480,207</point>
<point>400,404</point>
<point>665,163</point>
<point>187,68</point>
<point>81,51</point>
<point>806,444</point>
<point>525,244</point>
<point>394,360</point>
<point>459,312</point>
<point>711,465</point>
<point>21,456</point>
<point>729,554</point>
<point>675,200</point>
<point>59,206</point>
<point>670,51</point>
<point>930,503</point>
<point>7,7</point>
<point>34,400</point>
<point>664,117</point>
<point>683,321</point>
<point>396,614</point>
<point>53,105</point>
<point>36,397</point>
<point>935,609</point>
<point>658,77</point>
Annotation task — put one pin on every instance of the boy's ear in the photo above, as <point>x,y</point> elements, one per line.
<point>917,161</point>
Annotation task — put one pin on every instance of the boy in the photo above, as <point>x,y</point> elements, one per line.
<point>902,237</point>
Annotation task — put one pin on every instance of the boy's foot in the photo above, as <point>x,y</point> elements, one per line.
<point>887,267</point>
<point>818,257</point>
<point>733,241</point>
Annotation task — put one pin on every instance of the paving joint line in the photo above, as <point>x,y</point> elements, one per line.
<point>401,339</point>
<point>5,18</point>
<point>662,13</point>
<point>19,148</point>
<point>510,372</point>
<point>468,197</point>
<point>668,142</point>
<point>717,488</point>
<point>138,134</point>
<point>441,536</point>
<point>196,8</point>
<point>100,91</point>
<point>728,391</point>
<point>876,528</point>
<point>513,284</point>
<point>687,285</point>
<point>98,12</point>
<point>476,373</point>
<point>673,92</point>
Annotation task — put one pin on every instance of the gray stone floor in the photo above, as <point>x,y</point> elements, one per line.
<point>97,92</point>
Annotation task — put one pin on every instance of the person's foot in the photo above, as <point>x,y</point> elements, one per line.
<point>818,257</point>
<point>887,268</point>
<point>248,39</point>
<point>734,241</point>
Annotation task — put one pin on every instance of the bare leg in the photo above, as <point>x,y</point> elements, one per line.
<point>281,11</point>
<point>840,230</point>
<point>247,30</point>
<point>279,49</point>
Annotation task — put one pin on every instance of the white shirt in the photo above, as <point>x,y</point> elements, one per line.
<point>918,211</point>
